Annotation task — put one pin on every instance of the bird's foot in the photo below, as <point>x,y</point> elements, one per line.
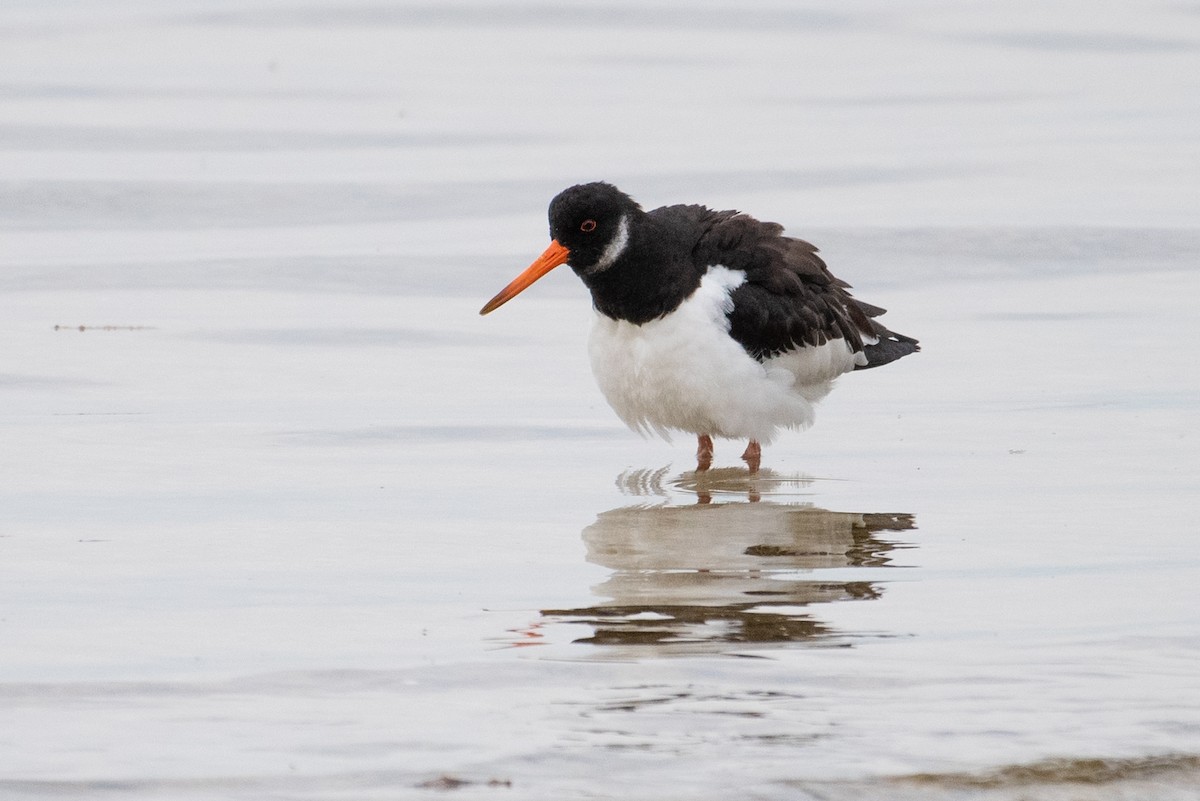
<point>753,456</point>
<point>704,453</point>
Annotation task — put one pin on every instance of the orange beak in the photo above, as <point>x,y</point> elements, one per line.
<point>555,255</point>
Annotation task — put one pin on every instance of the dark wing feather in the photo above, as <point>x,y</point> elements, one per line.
<point>790,299</point>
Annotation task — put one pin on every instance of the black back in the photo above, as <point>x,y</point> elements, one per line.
<point>789,298</point>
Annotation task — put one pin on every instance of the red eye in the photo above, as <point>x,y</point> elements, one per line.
<point>587,226</point>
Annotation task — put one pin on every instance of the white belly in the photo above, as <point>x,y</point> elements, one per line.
<point>685,372</point>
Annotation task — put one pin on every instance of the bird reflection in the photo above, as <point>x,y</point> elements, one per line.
<point>737,567</point>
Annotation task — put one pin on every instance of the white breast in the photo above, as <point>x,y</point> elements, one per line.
<point>684,372</point>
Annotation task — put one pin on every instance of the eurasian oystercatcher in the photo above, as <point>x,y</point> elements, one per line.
<point>709,322</point>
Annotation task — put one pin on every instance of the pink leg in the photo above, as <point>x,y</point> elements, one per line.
<point>753,456</point>
<point>704,453</point>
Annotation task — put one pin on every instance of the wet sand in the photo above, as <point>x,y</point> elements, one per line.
<point>283,516</point>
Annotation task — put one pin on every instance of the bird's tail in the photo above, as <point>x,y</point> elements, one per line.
<point>890,345</point>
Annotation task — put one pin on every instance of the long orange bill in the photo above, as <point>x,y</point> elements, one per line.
<point>555,255</point>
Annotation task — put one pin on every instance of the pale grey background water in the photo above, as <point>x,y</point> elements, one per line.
<point>287,519</point>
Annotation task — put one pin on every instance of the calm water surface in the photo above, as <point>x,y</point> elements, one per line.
<point>282,517</point>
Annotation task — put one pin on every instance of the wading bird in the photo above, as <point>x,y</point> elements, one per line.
<point>709,322</point>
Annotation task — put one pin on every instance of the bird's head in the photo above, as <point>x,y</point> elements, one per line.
<point>589,229</point>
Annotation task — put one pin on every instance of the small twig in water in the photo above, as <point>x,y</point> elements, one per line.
<point>103,328</point>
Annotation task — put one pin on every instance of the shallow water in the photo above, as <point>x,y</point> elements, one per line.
<point>283,517</point>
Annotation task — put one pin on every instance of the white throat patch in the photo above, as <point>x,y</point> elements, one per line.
<point>615,248</point>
